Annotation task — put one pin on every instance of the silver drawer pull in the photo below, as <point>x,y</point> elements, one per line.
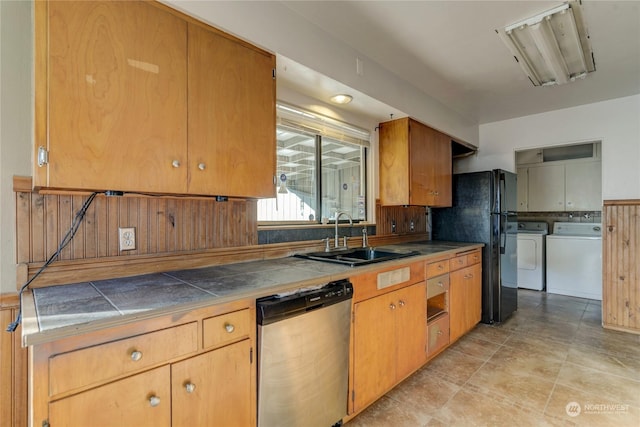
<point>154,401</point>
<point>392,306</point>
<point>441,284</point>
<point>136,355</point>
<point>190,387</point>
<point>401,303</point>
<point>229,327</point>
<point>175,163</point>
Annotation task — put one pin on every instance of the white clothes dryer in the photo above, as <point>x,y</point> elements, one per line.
<point>531,254</point>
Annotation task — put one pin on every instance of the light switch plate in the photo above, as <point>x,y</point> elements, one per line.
<point>127,237</point>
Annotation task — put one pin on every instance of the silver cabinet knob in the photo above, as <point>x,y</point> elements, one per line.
<point>190,387</point>
<point>392,306</point>
<point>229,327</point>
<point>175,163</point>
<point>136,355</point>
<point>154,401</point>
<point>202,166</point>
<point>401,303</point>
<point>441,284</point>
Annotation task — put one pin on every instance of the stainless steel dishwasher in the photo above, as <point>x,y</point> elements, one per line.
<point>303,356</point>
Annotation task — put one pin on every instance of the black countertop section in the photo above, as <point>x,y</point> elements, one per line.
<point>68,307</point>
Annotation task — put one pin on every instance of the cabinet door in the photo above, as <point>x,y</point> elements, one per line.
<point>411,329</point>
<point>430,166</point>
<point>374,353</point>
<point>421,177</point>
<point>474,307</point>
<point>140,400</point>
<point>394,162</point>
<point>583,186</point>
<point>546,188</point>
<point>465,300</point>
<point>214,387</point>
<point>441,165</point>
<point>232,136</point>
<point>523,189</point>
<point>117,97</point>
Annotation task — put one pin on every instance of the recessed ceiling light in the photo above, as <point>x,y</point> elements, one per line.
<point>341,99</point>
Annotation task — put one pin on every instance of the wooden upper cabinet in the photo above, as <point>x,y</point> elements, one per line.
<point>133,96</point>
<point>415,164</point>
<point>232,135</point>
<point>111,96</point>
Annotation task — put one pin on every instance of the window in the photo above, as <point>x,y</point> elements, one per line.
<point>320,169</point>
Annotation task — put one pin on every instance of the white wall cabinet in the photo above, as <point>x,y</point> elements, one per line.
<point>565,186</point>
<point>583,186</point>
<point>546,188</point>
<point>523,189</point>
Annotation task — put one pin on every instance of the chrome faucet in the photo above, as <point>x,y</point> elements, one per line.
<point>337,239</point>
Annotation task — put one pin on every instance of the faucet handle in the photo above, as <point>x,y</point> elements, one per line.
<point>344,242</point>
<point>327,244</point>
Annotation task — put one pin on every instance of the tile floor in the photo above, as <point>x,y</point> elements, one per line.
<point>551,355</point>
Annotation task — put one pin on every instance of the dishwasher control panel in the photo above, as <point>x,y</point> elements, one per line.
<point>281,306</point>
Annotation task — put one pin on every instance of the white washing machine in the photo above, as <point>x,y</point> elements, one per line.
<point>574,260</point>
<point>531,254</point>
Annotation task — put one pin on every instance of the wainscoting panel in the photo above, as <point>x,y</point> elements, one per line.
<point>621,269</point>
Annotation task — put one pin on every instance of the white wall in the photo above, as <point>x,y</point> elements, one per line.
<point>16,123</point>
<point>616,122</point>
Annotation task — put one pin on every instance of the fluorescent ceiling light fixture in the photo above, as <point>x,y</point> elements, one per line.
<point>552,47</point>
<point>341,98</point>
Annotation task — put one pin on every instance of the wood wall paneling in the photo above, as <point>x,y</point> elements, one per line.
<point>164,225</point>
<point>621,269</point>
<point>13,369</point>
<point>402,215</point>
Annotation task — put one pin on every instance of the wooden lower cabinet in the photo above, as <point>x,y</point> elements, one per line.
<point>389,341</point>
<point>438,335</point>
<point>465,300</point>
<point>213,388</point>
<point>154,373</point>
<point>140,400</point>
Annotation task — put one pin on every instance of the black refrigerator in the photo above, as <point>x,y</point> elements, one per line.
<point>484,211</point>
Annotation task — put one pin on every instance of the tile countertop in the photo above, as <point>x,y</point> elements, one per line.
<point>66,310</point>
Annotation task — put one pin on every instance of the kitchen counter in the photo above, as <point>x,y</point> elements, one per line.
<point>60,311</point>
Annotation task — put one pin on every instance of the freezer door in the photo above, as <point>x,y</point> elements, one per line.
<point>507,191</point>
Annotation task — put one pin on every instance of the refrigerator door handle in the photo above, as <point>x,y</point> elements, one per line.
<point>503,233</point>
<point>502,198</point>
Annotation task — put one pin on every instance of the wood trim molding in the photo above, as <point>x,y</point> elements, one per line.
<point>74,271</point>
<point>624,202</point>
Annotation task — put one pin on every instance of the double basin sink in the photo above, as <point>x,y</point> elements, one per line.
<point>357,256</point>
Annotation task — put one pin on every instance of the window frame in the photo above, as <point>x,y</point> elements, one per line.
<point>297,119</point>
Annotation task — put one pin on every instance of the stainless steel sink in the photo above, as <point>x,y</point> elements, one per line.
<point>358,256</point>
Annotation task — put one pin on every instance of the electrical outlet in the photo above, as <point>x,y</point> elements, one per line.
<point>127,238</point>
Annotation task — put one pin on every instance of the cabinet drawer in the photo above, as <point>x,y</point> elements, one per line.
<point>457,263</point>
<point>376,283</point>
<point>226,328</point>
<point>93,365</point>
<point>437,285</point>
<point>474,257</point>
<point>438,335</point>
<point>437,268</point>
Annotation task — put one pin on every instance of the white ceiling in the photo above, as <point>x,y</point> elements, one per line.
<point>450,51</point>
